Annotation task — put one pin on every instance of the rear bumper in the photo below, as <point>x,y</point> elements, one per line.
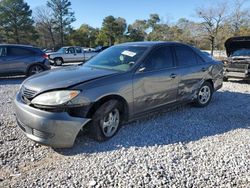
<point>58,130</point>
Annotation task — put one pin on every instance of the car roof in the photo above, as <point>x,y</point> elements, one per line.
<point>71,46</point>
<point>20,45</point>
<point>149,43</point>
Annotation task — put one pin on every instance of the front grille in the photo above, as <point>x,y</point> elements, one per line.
<point>28,93</point>
<point>35,132</point>
<point>42,134</point>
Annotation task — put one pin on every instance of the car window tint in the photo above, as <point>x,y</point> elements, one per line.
<point>16,51</point>
<point>185,56</point>
<point>3,51</point>
<point>78,50</point>
<point>70,50</point>
<point>161,58</point>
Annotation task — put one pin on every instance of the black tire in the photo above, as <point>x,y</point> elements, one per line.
<point>225,79</point>
<point>34,69</point>
<point>204,95</point>
<point>96,128</point>
<point>58,61</point>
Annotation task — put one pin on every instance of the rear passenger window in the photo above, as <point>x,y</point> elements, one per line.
<point>185,56</point>
<point>161,58</point>
<point>78,50</point>
<point>16,51</point>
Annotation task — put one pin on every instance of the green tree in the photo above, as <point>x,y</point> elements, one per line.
<point>84,36</point>
<point>112,30</point>
<point>137,30</point>
<point>153,20</point>
<point>16,21</point>
<point>63,16</point>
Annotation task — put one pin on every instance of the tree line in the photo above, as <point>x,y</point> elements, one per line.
<point>49,26</point>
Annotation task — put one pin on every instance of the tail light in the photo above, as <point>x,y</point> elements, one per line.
<point>45,56</point>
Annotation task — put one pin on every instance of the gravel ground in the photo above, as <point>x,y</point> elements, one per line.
<point>185,147</point>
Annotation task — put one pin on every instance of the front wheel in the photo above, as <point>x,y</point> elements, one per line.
<point>58,61</point>
<point>106,121</point>
<point>204,95</point>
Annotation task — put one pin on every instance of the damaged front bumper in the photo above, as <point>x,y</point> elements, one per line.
<point>56,129</point>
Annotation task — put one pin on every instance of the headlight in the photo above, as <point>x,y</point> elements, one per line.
<point>55,97</point>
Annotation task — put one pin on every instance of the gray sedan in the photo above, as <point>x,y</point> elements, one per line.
<point>118,85</point>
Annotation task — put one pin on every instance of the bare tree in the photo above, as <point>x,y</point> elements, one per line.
<point>238,17</point>
<point>44,23</point>
<point>212,21</point>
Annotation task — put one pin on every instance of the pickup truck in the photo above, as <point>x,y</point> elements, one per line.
<point>70,54</point>
<point>237,64</point>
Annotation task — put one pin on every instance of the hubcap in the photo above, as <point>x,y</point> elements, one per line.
<point>110,123</point>
<point>36,69</point>
<point>58,62</point>
<point>204,94</point>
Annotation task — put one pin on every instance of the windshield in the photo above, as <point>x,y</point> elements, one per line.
<point>61,50</point>
<point>120,58</point>
<point>242,52</point>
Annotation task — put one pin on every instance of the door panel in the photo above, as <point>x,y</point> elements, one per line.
<point>153,89</point>
<point>70,55</point>
<point>190,80</point>
<point>18,59</point>
<point>192,70</point>
<point>79,55</point>
<point>156,81</point>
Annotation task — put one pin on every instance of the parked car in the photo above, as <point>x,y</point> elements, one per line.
<point>238,61</point>
<point>118,85</point>
<point>70,54</point>
<point>22,60</point>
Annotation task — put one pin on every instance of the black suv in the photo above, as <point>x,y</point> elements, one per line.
<point>22,59</point>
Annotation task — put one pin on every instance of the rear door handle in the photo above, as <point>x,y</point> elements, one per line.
<point>173,75</point>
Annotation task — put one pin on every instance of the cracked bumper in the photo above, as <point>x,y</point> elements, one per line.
<point>55,129</point>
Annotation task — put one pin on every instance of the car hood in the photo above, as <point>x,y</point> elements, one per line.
<point>237,43</point>
<point>64,78</point>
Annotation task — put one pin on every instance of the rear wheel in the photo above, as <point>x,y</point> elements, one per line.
<point>204,95</point>
<point>34,69</point>
<point>58,61</point>
<point>106,121</point>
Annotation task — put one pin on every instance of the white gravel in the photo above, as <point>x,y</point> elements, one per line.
<point>185,147</point>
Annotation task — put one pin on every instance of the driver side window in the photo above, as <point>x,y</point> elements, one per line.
<point>160,58</point>
<point>70,50</point>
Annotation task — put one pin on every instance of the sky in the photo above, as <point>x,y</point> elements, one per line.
<point>92,12</point>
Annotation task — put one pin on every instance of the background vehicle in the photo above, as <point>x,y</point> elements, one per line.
<point>22,59</point>
<point>238,62</point>
<point>70,54</point>
<point>120,84</point>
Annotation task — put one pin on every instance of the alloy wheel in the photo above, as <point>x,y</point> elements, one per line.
<point>204,94</point>
<point>110,123</point>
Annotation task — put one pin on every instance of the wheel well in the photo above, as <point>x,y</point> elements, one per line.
<point>101,101</point>
<point>28,68</point>
<point>58,58</point>
<point>211,82</point>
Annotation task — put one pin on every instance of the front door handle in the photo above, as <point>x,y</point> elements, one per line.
<point>203,69</point>
<point>173,75</point>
